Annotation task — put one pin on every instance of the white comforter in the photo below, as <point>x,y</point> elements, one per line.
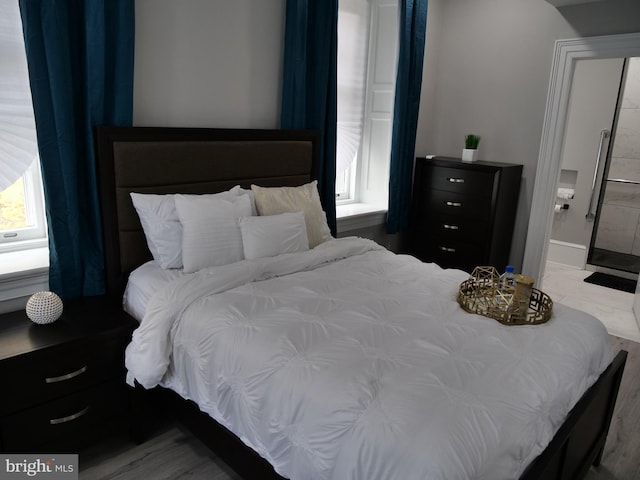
<point>351,362</point>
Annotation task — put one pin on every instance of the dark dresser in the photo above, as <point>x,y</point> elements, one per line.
<point>463,213</point>
<point>63,384</point>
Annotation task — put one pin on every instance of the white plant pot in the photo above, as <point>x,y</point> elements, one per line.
<point>469,155</point>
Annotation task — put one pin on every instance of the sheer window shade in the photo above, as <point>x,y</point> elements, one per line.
<point>353,39</point>
<point>18,146</point>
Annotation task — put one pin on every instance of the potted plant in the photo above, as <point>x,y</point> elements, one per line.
<point>470,151</point>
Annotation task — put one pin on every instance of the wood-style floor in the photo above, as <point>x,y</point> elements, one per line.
<point>621,460</point>
<point>173,453</point>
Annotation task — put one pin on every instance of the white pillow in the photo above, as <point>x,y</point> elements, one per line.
<point>161,226</point>
<point>276,200</point>
<point>274,234</point>
<point>247,191</point>
<point>210,232</point>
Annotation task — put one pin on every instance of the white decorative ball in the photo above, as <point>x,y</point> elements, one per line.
<point>44,307</point>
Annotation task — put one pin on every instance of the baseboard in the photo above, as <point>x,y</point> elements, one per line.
<point>565,253</point>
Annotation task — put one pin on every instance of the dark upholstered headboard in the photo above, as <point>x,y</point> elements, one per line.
<point>186,160</point>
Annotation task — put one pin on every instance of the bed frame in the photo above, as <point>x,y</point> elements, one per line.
<point>197,160</point>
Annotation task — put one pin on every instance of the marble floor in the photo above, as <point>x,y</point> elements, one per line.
<point>612,307</point>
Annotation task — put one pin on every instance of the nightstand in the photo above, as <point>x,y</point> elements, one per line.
<point>463,213</point>
<point>63,384</point>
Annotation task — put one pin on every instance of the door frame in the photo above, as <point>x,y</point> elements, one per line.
<point>566,54</point>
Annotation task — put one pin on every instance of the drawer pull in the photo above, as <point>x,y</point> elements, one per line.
<point>57,421</point>
<point>454,204</point>
<point>450,227</point>
<point>68,376</point>
<point>448,249</point>
<point>455,180</point>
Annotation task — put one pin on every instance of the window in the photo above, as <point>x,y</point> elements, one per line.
<point>367,55</point>
<point>22,212</point>
<point>353,41</point>
<point>22,219</point>
<point>345,182</point>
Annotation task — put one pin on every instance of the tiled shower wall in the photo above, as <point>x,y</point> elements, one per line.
<point>619,221</point>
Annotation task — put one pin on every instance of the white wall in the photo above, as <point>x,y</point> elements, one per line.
<point>491,71</point>
<point>218,63</point>
<point>208,63</point>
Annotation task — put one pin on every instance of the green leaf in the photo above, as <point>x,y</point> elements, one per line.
<point>471,141</point>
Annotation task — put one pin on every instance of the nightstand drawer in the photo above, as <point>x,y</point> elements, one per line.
<point>63,384</point>
<point>65,424</point>
<point>461,180</point>
<point>56,372</point>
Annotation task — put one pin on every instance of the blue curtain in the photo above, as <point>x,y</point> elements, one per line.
<point>309,92</point>
<point>413,24</point>
<point>80,60</point>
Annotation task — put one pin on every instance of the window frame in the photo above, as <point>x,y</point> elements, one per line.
<point>347,195</point>
<point>34,235</point>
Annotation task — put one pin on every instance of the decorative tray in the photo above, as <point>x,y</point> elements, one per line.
<point>510,305</point>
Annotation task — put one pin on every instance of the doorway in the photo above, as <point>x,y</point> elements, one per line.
<point>592,238</point>
<point>591,114</point>
<point>566,55</point>
<point>596,224</point>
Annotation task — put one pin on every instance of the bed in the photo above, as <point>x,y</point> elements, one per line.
<point>355,407</point>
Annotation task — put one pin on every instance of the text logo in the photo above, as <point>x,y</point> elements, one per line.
<point>51,467</point>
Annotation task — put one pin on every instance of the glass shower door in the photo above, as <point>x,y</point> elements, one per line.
<point>616,242</point>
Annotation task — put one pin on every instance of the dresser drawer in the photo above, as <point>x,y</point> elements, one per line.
<point>451,254</point>
<point>461,180</point>
<point>453,227</point>
<point>457,205</point>
<point>57,372</point>
<point>65,423</point>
